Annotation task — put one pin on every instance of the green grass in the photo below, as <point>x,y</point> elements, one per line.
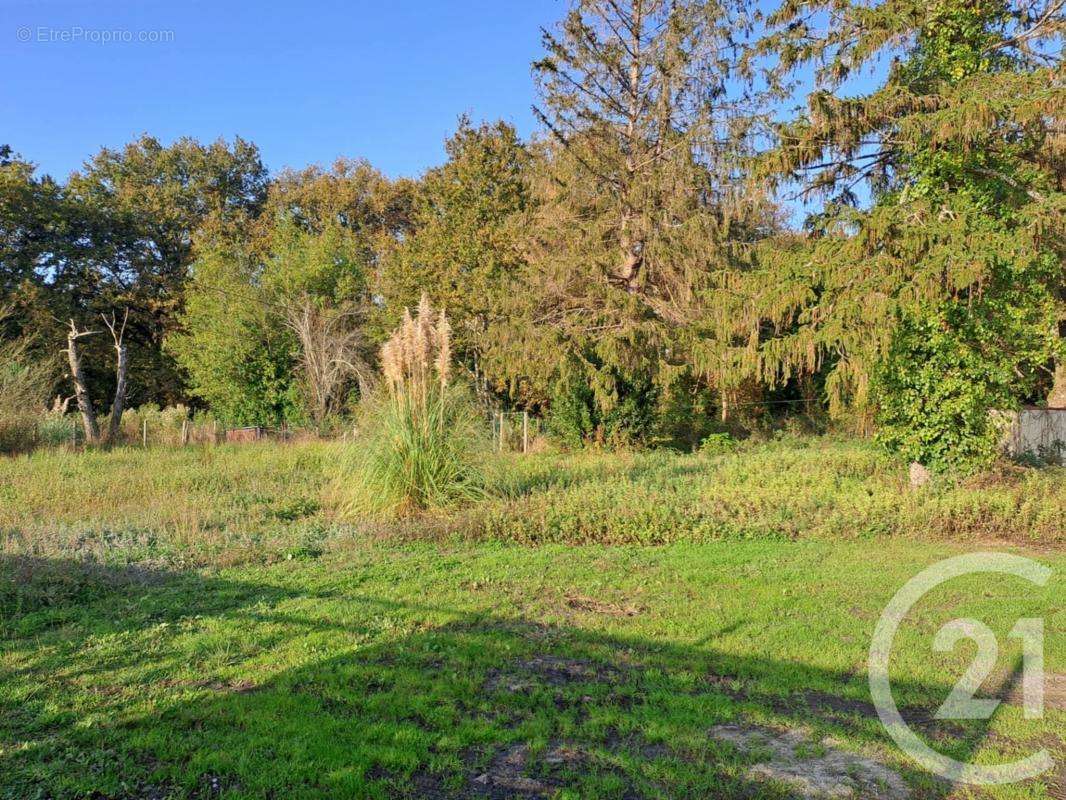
<point>175,507</point>
<point>195,624</point>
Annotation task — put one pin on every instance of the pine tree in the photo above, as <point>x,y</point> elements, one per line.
<point>639,209</point>
<point>961,153</point>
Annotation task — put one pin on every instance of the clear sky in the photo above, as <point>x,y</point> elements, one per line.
<point>306,81</point>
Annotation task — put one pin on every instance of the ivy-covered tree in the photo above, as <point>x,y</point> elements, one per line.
<point>935,302</point>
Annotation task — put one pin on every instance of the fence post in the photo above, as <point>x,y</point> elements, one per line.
<point>144,433</point>
<point>525,431</point>
<point>502,438</point>
<point>184,432</point>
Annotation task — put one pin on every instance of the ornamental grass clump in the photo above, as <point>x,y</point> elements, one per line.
<point>419,442</point>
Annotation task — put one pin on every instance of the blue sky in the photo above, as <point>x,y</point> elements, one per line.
<point>306,81</point>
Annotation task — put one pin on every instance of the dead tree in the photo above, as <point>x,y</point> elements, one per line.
<point>60,405</point>
<point>81,389</point>
<point>121,360</point>
<point>333,353</point>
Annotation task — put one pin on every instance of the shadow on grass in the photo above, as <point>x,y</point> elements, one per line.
<point>453,704</point>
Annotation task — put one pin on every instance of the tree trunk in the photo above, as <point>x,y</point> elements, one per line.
<point>81,390</point>
<point>632,246</point>
<point>1057,397</point>
<point>632,257</point>
<point>119,403</point>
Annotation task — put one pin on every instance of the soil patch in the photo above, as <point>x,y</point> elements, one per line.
<point>582,603</point>
<point>817,770</point>
<point>545,670</point>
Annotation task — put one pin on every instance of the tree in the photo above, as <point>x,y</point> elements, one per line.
<point>31,225</point>
<point>43,279</point>
<point>139,208</point>
<point>318,282</point>
<point>273,326</point>
<point>238,358</point>
<point>639,212</point>
<point>81,384</point>
<point>960,149</point>
<point>462,251</point>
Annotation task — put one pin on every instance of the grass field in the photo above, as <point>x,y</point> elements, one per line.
<point>195,624</point>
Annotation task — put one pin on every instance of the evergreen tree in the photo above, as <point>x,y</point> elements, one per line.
<point>939,298</point>
<point>639,211</point>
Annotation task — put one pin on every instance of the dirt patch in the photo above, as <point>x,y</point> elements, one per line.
<point>507,773</point>
<point>518,772</point>
<point>814,769</point>
<point>1057,779</point>
<point>545,670</point>
<point>235,687</point>
<point>514,772</point>
<point>1054,690</point>
<point>581,603</point>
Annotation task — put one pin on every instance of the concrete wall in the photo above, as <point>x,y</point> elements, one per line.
<point>1039,432</point>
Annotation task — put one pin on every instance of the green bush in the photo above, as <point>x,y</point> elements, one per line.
<point>716,444</point>
<point>603,407</point>
<point>570,420</point>
<point>55,429</point>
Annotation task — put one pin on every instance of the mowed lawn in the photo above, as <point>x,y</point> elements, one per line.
<point>195,624</point>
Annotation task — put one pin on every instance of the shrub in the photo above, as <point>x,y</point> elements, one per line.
<point>951,367</point>
<point>24,380</point>
<point>419,442</point>
<point>55,428</point>
<point>603,406</point>
<point>716,444</point>
<point>16,433</point>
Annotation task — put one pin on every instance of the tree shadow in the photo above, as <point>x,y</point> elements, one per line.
<point>454,705</point>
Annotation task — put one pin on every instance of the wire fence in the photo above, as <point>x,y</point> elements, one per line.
<point>512,431</point>
<point>69,432</point>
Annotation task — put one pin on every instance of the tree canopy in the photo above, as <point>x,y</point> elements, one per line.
<point>635,268</point>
